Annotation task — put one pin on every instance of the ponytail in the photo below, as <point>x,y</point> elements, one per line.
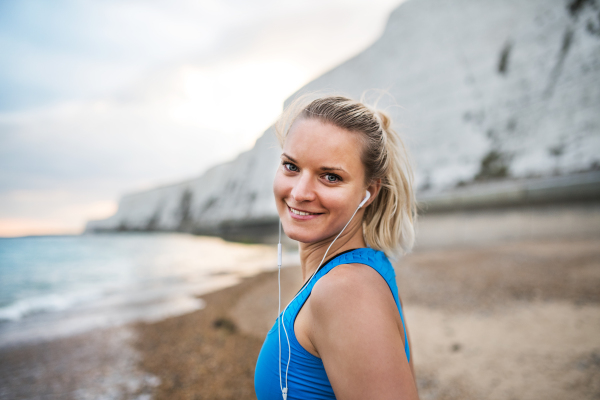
<point>389,221</point>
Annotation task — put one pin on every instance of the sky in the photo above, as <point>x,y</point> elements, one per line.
<point>102,98</point>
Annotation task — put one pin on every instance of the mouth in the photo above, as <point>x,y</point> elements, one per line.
<point>301,214</point>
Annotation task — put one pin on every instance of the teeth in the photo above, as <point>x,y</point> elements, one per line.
<point>301,212</point>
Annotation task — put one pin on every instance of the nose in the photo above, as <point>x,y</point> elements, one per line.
<point>303,189</point>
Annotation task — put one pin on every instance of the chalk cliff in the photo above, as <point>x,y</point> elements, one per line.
<point>224,200</point>
<point>479,90</point>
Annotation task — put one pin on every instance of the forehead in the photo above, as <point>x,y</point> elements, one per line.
<point>323,144</point>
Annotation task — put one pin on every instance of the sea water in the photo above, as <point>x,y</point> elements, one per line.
<point>54,286</point>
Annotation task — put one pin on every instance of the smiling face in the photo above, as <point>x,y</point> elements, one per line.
<point>320,182</point>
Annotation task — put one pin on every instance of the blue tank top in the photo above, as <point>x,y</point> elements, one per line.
<point>307,378</point>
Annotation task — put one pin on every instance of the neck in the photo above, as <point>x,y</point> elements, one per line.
<point>311,254</point>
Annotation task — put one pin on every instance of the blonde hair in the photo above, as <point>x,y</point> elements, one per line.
<point>388,222</point>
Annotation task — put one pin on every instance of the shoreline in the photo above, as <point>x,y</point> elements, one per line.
<point>205,353</point>
<point>114,362</point>
<point>117,362</point>
<point>59,287</point>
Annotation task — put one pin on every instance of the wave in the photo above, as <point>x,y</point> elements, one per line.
<point>45,303</point>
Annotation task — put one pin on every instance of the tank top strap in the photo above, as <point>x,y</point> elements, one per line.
<point>367,256</point>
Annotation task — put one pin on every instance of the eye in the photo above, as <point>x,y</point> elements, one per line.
<point>332,178</point>
<point>290,167</point>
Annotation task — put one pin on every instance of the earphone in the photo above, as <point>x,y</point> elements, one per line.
<point>367,197</point>
<point>280,315</point>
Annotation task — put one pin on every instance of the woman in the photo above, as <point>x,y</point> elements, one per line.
<point>343,336</point>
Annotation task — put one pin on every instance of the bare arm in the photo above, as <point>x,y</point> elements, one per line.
<point>357,333</point>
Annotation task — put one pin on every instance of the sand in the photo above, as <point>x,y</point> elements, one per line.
<point>98,365</point>
<point>499,321</point>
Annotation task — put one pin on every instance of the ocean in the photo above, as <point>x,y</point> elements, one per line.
<point>53,286</point>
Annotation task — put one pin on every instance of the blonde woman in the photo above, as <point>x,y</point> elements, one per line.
<point>343,336</point>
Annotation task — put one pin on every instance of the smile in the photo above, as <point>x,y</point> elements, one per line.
<point>298,212</point>
<point>302,215</point>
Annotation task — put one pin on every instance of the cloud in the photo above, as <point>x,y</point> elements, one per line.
<point>102,98</point>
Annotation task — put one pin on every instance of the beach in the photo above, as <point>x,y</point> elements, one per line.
<point>513,320</point>
<point>142,149</point>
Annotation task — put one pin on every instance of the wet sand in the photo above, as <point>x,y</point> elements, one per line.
<point>98,365</point>
<point>506,321</point>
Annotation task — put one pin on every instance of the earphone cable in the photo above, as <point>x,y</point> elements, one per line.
<point>279,306</point>
<point>284,393</point>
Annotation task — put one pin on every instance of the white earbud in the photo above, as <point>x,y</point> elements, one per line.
<point>367,197</point>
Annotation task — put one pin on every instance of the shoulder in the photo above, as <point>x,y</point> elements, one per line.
<point>350,288</point>
<point>347,277</point>
<point>356,331</point>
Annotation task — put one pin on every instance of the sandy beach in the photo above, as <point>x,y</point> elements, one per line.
<point>507,321</point>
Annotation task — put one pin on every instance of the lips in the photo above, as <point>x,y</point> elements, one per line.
<point>298,212</point>
<point>302,214</point>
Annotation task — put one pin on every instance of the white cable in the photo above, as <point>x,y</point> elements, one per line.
<point>279,306</point>
<point>285,389</point>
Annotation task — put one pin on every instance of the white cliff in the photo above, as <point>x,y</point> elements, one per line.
<point>218,202</point>
<point>478,89</point>
<point>516,81</point>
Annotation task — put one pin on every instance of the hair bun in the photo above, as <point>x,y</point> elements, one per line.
<point>384,120</point>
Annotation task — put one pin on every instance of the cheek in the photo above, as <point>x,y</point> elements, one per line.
<point>336,203</point>
<point>281,186</point>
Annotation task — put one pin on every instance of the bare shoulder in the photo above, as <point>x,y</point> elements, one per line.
<point>351,287</point>
<point>356,330</point>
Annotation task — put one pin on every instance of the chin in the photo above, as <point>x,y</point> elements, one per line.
<point>302,237</point>
<point>303,234</point>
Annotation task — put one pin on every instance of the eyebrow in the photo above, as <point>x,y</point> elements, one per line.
<point>288,157</point>
<point>322,168</point>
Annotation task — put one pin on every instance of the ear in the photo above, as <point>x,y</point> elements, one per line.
<point>374,189</point>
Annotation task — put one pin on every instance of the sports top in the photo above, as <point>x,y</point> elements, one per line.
<point>307,378</point>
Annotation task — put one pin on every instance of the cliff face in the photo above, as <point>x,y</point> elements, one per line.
<point>480,89</point>
<point>223,201</point>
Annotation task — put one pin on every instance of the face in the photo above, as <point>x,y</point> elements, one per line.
<point>320,182</point>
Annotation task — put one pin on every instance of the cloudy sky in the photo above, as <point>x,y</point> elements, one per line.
<point>101,98</point>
